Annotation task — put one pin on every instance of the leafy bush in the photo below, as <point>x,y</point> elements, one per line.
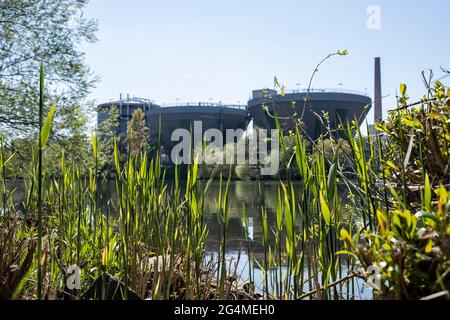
<point>409,248</point>
<point>410,253</point>
<point>329,147</point>
<point>16,258</point>
<point>419,138</point>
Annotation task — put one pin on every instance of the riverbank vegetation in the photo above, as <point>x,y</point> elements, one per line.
<point>370,209</point>
<point>391,230</point>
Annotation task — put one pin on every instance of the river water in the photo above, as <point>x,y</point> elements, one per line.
<point>252,195</point>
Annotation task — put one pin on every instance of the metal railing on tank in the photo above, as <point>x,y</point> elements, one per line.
<point>327,90</point>
<point>204,104</point>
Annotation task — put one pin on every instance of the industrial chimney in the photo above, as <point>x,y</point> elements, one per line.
<point>378,98</point>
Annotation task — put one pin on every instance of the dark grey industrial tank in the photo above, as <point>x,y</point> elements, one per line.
<point>125,108</point>
<point>165,120</point>
<point>162,121</point>
<point>339,105</point>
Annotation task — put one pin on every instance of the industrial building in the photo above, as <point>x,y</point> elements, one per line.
<point>291,108</point>
<point>162,121</point>
<point>125,108</point>
<point>335,104</point>
<point>261,108</point>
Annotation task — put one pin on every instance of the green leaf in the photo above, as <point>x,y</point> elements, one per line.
<point>427,193</point>
<point>443,195</point>
<point>429,246</point>
<point>435,116</point>
<point>343,52</point>
<point>116,157</point>
<point>391,165</point>
<point>45,132</point>
<point>94,144</point>
<point>195,170</point>
<point>279,85</point>
<point>324,208</point>
<point>427,215</point>
<point>403,89</point>
<point>382,222</point>
<point>413,123</point>
<point>345,252</point>
<point>345,235</point>
<point>438,84</point>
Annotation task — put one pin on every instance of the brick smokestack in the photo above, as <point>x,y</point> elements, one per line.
<point>378,95</point>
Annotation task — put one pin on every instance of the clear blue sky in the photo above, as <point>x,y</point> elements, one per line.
<point>200,49</point>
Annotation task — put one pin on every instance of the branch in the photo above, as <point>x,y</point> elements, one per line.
<point>333,284</point>
<point>413,104</point>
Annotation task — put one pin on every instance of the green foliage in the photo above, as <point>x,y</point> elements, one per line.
<point>45,133</point>
<point>75,150</point>
<point>47,31</point>
<point>152,234</point>
<point>418,136</point>
<point>105,133</point>
<point>137,132</point>
<point>16,257</point>
<point>410,252</point>
<point>247,171</point>
<point>331,147</point>
<point>408,247</point>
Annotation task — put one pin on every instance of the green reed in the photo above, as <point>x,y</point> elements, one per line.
<point>145,221</point>
<point>152,233</point>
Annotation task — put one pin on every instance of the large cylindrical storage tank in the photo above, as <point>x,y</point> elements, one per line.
<point>165,120</point>
<point>125,109</point>
<point>339,105</point>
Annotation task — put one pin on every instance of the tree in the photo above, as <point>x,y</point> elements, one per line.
<point>49,31</point>
<point>137,132</point>
<point>106,133</point>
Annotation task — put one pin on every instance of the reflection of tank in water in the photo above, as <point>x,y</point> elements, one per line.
<point>242,194</point>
